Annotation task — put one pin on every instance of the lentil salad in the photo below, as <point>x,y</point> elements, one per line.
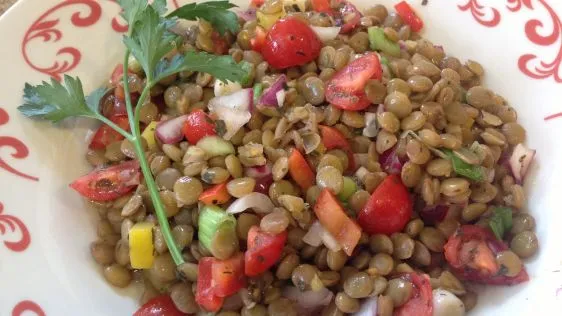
<point>352,166</point>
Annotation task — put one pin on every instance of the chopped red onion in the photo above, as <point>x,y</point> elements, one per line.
<point>326,33</point>
<point>263,184</point>
<point>390,162</point>
<point>170,131</point>
<point>258,171</point>
<point>259,202</point>
<point>308,299</point>
<point>233,109</point>
<point>434,214</point>
<point>368,307</point>
<point>520,160</point>
<point>247,15</point>
<point>269,96</point>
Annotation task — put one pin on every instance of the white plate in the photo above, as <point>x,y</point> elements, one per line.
<point>45,229</point>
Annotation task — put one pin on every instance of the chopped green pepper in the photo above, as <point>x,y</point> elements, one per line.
<point>380,42</point>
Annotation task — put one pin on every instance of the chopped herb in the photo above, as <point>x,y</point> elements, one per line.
<point>473,172</point>
<point>501,221</point>
<point>214,12</point>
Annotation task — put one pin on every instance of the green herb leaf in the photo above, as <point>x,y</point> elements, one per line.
<point>464,169</point>
<point>133,9</point>
<point>55,102</point>
<point>501,221</point>
<point>150,40</point>
<point>215,12</point>
<point>258,91</point>
<point>221,67</point>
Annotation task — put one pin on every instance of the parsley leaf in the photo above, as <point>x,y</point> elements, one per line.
<point>501,221</point>
<point>55,102</point>
<point>473,172</point>
<point>221,67</point>
<point>214,12</point>
<point>150,40</point>
<point>132,9</point>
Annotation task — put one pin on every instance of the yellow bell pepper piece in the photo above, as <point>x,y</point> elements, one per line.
<point>148,135</point>
<point>267,20</point>
<point>141,247</point>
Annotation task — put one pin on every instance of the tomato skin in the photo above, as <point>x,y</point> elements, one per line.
<point>290,42</point>
<point>332,138</point>
<point>264,250</point>
<point>321,6</point>
<point>480,264</point>
<point>346,88</point>
<point>106,135</point>
<point>388,209</point>
<point>159,306</point>
<point>205,295</point>
<point>197,126</point>
<point>300,171</point>
<point>421,299</point>
<point>215,195</point>
<point>257,3</point>
<point>110,183</point>
<point>409,16</point>
<point>331,215</point>
<point>220,45</point>
<point>258,40</point>
<point>228,275</point>
<point>346,9</point>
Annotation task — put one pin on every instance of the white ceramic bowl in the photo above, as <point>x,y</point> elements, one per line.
<point>45,228</point>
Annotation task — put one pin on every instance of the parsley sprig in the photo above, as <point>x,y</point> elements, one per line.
<point>149,41</point>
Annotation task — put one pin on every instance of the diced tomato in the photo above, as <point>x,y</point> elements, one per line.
<point>408,15</point>
<point>331,215</point>
<point>346,89</point>
<point>110,183</point>
<point>264,250</point>
<point>350,16</point>
<point>228,275</point>
<point>332,138</point>
<point>159,306</point>
<point>117,75</point>
<point>106,135</point>
<point>388,209</point>
<point>321,6</point>
<point>215,195</point>
<point>220,45</point>
<point>197,126</point>
<point>205,295</point>
<point>258,41</point>
<point>471,253</point>
<point>300,171</point>
<point>257,3</point>
<point>290,42</point>
<point>421,299</point>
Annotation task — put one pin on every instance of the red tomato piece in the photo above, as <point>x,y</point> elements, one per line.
<point>350,16</point>
<point>228,275</point>
<point>220,45</point>
<point>264,250</point>
<point>300,171</point>
<point>471,253</point>
<point>290,42</point>
<point>215,195</point>
<point>388,209</point>
<point>331,215</point>
<point>321,6</point>
<point>421,299</point>
<point>205,295</point>
<point>159,306</point>
<point>110,183</point>
<point>197,126</point>
<point>258,40</point>
<point>333,138</point>
<point>257,3</point>
<point>346,89</point>
<point>106,135</point>
<point>117,75</point>
<point>408,15</point>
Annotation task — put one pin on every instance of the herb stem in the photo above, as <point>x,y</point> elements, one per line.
<point>116,127</point>
<point>149,179</point>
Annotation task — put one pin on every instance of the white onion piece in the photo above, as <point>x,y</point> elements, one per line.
<point>233,109</point>
<point>520,160</point>
<point>247,15</point>
<point>170,131</point>
<point>368,307</point>
<point>326,33</point>
<point>446,303</point>
<point>259,202</point>
<point>361,173</point>
<point>371,129</point>
<point>280,96</point>
<point>258,171</point>
<point>314,235</point>
<point>329,241</point>
<point>308,299</point>
<point>221,88</point>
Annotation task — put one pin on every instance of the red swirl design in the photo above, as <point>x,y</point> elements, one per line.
<point>20,150</point>
<point>478,11</point>
<point>27,306</point>
<point>14,224</point>
<point>44,28</point>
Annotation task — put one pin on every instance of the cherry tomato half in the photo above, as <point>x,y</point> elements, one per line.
<point>106,135</point>
<point>421,299</point>
<point>110,183</point>
<point>290,42</point>
<point>159,306</point>
<point>264,250</point>
<point>346,89</point>
<point>388,209</point>
<point>409,16</point>
<point>197,126</point>
<point>349,15</point>
<point>228,275</point>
